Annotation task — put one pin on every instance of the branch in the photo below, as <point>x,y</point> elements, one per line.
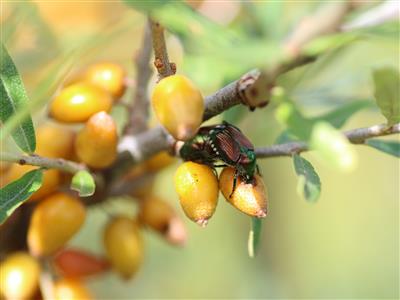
<point>161,60</point>
<point>48,163</point>
<point>139,108</point>
<point>355,136</point>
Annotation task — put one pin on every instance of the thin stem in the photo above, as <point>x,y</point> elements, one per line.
<point>139,108</point>
<point>161,60</point>
<point>45,162</point>
<point>355,136</point>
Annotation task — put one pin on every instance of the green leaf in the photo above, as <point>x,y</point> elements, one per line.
<point>332,147</point>
<point>284,137</point>
<point>83,183</point>
<point>309,184</point>
<point>387,86</point>
<point>297,125</point>
<point>328,43</point>
<point>254,236</point>
<point>15,193</point>
<point>12,99</point>
<point>338,117</point>
<point>390,147</point>
<point>146,6</point>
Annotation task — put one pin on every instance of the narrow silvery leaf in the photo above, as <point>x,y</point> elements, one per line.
<point>254,236</point>
<point>18,191</point>
<point>13,98</point>
<point>309,185</point>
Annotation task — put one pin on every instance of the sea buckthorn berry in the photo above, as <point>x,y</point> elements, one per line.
<point>197,187</point>
<point>71,289</point>
<point>108,76</point>
<point>96,143</point>
<point>179,106</point>
<point>50,183</point>
<point>54,141</point>
<point>78,263</point>
<point>78,102</point>
<point>124,246</point>
<point>19,276</point>
<point>159,161</point>
<point>160,216</point>
<point>249,198</point>
<point>54,221</point>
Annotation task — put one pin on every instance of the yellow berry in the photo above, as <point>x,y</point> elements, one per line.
<point>249,198</point>
<point>108,76</point>
<point>54,141</point>
<point>179,106</point>
<point>54,221</point>
<point>19,276</point>
<point>160,216</point>
<point>197,187</point>
<point>71,289</point>
<point>159,161</point>
<point>124,246</point>
<point>78,102</point>
<point>96,143</point>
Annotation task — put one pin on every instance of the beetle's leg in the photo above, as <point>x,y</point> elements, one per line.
<point>221,166</point>
<point>234,182</point>
<point>258,170</point>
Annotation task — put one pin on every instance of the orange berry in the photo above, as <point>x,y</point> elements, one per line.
<point>108,76</point>
<point>179,106</point>
<point>124,246</point>
<point>96,143</point>
<point>71,289</point>
<point>50,183</point>
<point>54,221</point>
<point>78,263</point>
<point>160,216</point>
<point>78,102</point>
<point>197,187</point>
<point>54,141</point>
<point>249,198</point>
<point>159,161</point>
<point>19,276</point>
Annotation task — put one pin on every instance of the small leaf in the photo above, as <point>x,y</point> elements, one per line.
<point>254,236</point>
<point>309,185</point>
<point>297,125</point>
<point>387,86</point>
<point>15,193</point>
<point>328,43</point>
<point>146,6</point>
<point>83,183</point>
<point>284,137</point>
<point>12,99</point>
<point>338,117</point>
<point>332,147</point>
<point>390,147</point>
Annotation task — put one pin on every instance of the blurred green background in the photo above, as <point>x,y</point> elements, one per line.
<point>344,246</point>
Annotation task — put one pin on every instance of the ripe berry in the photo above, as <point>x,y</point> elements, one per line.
<point>78,102</point>
<point>70,289</point>
<point>160,216</point>
<point>197,187</point>
<point>54,141</point>
<point>19,276</point>
<point>54,221</point>
<point>124,246</point>
<point>96,143</point>
<point>78,263</point>
<point>249,198</point>
<point>108,76</point>
<point>159,161</point>
<point>179,106</point>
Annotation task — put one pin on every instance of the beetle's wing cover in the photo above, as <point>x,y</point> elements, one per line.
<point>239,137</point>
<point>228,145</point>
